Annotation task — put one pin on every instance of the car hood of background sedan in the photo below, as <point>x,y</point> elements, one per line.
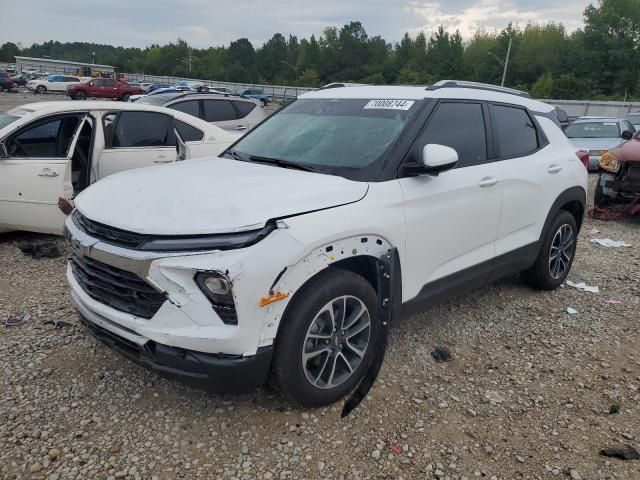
<point>597,143</point>
<point>211,195</point>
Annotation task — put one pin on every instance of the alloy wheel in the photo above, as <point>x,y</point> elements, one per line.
<point>561,251</point>
<point>336,342</point>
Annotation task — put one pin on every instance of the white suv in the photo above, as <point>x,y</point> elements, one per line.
<point>290,255</point>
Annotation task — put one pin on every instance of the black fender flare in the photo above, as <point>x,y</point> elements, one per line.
<point>390,302</point>
<point>573,194</point>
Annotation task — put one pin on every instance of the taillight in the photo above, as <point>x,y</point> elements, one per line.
<point>583,155</point>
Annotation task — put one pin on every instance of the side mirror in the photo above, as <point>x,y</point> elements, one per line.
<point>3,151</point>
<point>627,135</point>
<point>435,159</point>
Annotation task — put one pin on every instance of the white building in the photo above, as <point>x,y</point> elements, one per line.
<point>58,66</point>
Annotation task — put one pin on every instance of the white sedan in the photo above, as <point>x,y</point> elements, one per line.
<point>54,150</point>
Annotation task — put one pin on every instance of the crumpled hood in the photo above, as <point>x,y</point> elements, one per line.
<point>596,143</point>
<point>210,195</point>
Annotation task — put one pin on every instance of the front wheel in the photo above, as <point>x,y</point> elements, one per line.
<point>41,89</point>
<point>556,254</point>
<point>80,95</point>
<point>326,339</point>
<point>125,97</point>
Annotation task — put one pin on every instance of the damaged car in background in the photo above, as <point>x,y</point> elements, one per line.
<point>51,151</point>
<point>290,255</point>
<point>598,134</point>
<point>619,181</point>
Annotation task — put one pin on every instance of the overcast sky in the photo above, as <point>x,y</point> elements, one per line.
<point>203,23</point>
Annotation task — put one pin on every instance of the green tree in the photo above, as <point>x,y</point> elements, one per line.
<point>543,87</point>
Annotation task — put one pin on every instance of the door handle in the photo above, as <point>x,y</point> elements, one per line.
<point>488,182</point>
<point>47,172</point>
<point>241,127</point>
<point>553,168</point>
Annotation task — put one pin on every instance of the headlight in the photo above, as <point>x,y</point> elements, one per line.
<point>609,162</point>
<point>218,289</point>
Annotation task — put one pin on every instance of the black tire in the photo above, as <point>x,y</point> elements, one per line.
<point>1,88</point>
<point>600,200</point>
<point>80,95</point>
<point>289,374</point>
<point>41,89</point>
<point>263,103</point>
<point>125,97</point>
<point>540,276</point>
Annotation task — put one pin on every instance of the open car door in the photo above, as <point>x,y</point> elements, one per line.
<point>34,173</point>
<point>135,139</point>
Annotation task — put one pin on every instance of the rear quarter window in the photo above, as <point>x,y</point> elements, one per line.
<point>515,131</point>
<point>244,108</point>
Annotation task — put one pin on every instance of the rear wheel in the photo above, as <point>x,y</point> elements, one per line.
<point>556,255</point>
<point>41,89</point>
<point>80,95</point>
<point>326,339</point>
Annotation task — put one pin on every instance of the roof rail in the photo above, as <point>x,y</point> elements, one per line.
<point>477,86</point>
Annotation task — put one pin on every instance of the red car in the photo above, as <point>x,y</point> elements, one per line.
<point>6,82</point>
<point>619,180</point>
<point>103,88</point>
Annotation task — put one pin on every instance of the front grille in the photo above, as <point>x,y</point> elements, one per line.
<point>108,234</point>
<point>119,289</point>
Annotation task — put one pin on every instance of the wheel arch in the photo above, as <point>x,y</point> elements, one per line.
<point>369,256</point>
<point>572,200</point>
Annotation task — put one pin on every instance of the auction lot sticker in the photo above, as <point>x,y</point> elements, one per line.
<point>389,104</point>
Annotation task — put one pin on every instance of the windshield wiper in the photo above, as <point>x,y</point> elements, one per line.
<point>236,155</point>
<point>270,161</point>
<point>281,163</point>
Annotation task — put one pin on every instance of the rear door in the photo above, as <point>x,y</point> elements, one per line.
<point>223,114</point>
<point>35,174</point>
<point>452,218</point>
<point>534,174</point>
<point>249,114</point>
<point>135,139</point>
<point>109,88</point>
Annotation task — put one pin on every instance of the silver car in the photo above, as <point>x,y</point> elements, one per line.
<point>634,118</point>
<point>228,112</point>
<point>597,134</point>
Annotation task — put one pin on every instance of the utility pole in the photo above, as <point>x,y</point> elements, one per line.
<point>190,58</point>
<point>506,63</point>
<point>93,57</point>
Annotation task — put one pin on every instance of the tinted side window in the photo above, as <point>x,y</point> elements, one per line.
<point>140,129</point>
<point>515,131</point>
<point>98,83</point>
<point>219,111</point>
<point>50,139</point>
<point>244,108</point>
<point>109,82</point>
<point>192,107</point>
<point>461,127</point>
<point>187,132</point>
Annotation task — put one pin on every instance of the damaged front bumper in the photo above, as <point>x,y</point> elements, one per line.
<point>184,339</point>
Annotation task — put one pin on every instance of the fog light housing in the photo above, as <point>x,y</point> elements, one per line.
<point>219,291</point>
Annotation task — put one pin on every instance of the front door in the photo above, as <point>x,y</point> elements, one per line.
<point>35,174</point>
<point>452,218</point>
<point>135,140</point>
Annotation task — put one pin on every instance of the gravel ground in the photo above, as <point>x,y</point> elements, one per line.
<point>526,396</point>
